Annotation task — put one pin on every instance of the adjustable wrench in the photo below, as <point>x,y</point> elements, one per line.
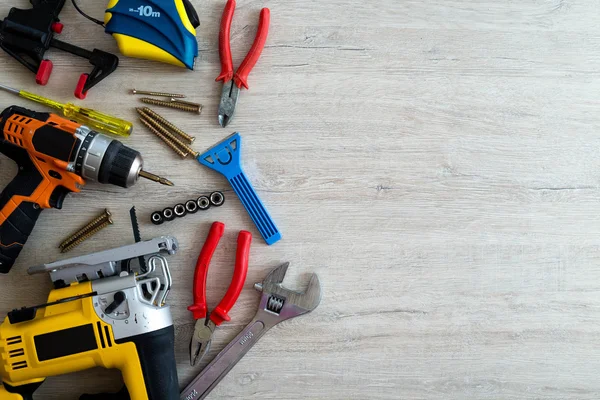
<point>276,305</point>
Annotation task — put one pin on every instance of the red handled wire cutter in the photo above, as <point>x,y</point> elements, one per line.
<point>206,323</point>
<point>233,83</point>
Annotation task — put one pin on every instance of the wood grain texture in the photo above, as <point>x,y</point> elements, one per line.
<point>436,163</point>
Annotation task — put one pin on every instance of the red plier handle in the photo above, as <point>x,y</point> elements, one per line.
<point>221,312</point>
<point>241,76</point>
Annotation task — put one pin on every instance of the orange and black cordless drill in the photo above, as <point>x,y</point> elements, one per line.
<point>55,156</point>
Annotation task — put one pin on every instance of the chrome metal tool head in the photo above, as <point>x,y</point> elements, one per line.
<point>284,302</point>
<point>276,305</point>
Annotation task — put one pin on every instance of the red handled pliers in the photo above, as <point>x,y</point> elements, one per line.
<point>206,323</point>
<point>232,83</point>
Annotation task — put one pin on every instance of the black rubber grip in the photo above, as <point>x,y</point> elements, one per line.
<point>26,391</point>
<point>14,233</point>
<point>19,224</point>
<point>156,351</point>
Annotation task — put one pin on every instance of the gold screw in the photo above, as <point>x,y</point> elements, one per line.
<point>144,119</point>
<point>158,94</point>
<point>90,226</point>
<point>165,132</point>
<point>172,104</point>
<point>88,235</point>
<point>187,103</point>
<point>168,124</point>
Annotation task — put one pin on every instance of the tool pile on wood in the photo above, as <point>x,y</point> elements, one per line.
<point>109,308</point>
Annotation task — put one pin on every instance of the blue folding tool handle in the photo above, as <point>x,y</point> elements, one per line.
<point>225,159</point>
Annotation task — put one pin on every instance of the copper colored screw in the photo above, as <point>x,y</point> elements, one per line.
<point>162,137</point>
<point>88,235</point>
<point>158,94</point>
<point>168,124</point>
<point>172,104</point>
<point>82,233</point>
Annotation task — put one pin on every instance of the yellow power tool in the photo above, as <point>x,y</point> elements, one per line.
<point>100,314</point>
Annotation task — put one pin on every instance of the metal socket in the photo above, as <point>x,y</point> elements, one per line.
<point>191,206</point>
<point>203,203</point>
<point>168,214</point>
<point>217,199</point>
<point>180,210</point>
<point>157,218</point>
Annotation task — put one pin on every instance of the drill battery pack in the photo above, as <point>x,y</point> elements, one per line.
<point>159,30</point>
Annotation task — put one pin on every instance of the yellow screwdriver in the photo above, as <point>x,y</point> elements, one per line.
<point>85,116</point>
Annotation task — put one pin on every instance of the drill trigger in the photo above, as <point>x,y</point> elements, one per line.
<point>58,197</point>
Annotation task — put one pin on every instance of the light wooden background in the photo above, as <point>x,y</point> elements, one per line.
<point>436,163</point>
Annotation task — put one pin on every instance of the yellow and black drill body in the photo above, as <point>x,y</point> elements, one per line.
<point>117,322</point>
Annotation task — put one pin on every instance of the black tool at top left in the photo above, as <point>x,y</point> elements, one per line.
<point>27,34</point>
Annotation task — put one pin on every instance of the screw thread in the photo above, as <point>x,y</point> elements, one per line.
<point>165,132</point>
<point>170,104</point>
<point>168,124</point>
<point>158,94</point>
<point>86,228</point>
<point>197,107</point>
<point>162,137</point>
<point>85,237</point>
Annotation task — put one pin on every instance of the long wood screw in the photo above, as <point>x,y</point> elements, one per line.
<point>90,226</point>
<point>165,132</point>
<point>156,116</point>
<point>88,235</point>
<point>187,103</point>
<point>173,146</point>
<point>172,104</point>
<point>158,94</point>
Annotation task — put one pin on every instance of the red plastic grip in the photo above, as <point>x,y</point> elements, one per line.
<point>44,71</point>
<point>80,86</point>
<point>57,27</point>
<point>241,76</point>
<point>221,312</point>
<point>224,43</point>
<point>199,308</point>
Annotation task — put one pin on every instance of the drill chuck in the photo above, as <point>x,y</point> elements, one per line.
<point>121,165</point>
<point>105,160</point>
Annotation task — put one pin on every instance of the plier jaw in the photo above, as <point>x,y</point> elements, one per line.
<point>201,341</point>
<point>234,82</point>
<point>207,323</point>
<point>229,99</point>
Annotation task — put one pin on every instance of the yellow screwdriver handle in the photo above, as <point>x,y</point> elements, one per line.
<point>97,120</point>
<point>85,116</point>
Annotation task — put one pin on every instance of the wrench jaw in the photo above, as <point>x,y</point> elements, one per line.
<point>285,303</point>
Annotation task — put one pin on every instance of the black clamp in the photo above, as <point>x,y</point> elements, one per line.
<point>27,34</point>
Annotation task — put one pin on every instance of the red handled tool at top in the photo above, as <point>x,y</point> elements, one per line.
<point>207,323</point>
<point>233,83</point>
